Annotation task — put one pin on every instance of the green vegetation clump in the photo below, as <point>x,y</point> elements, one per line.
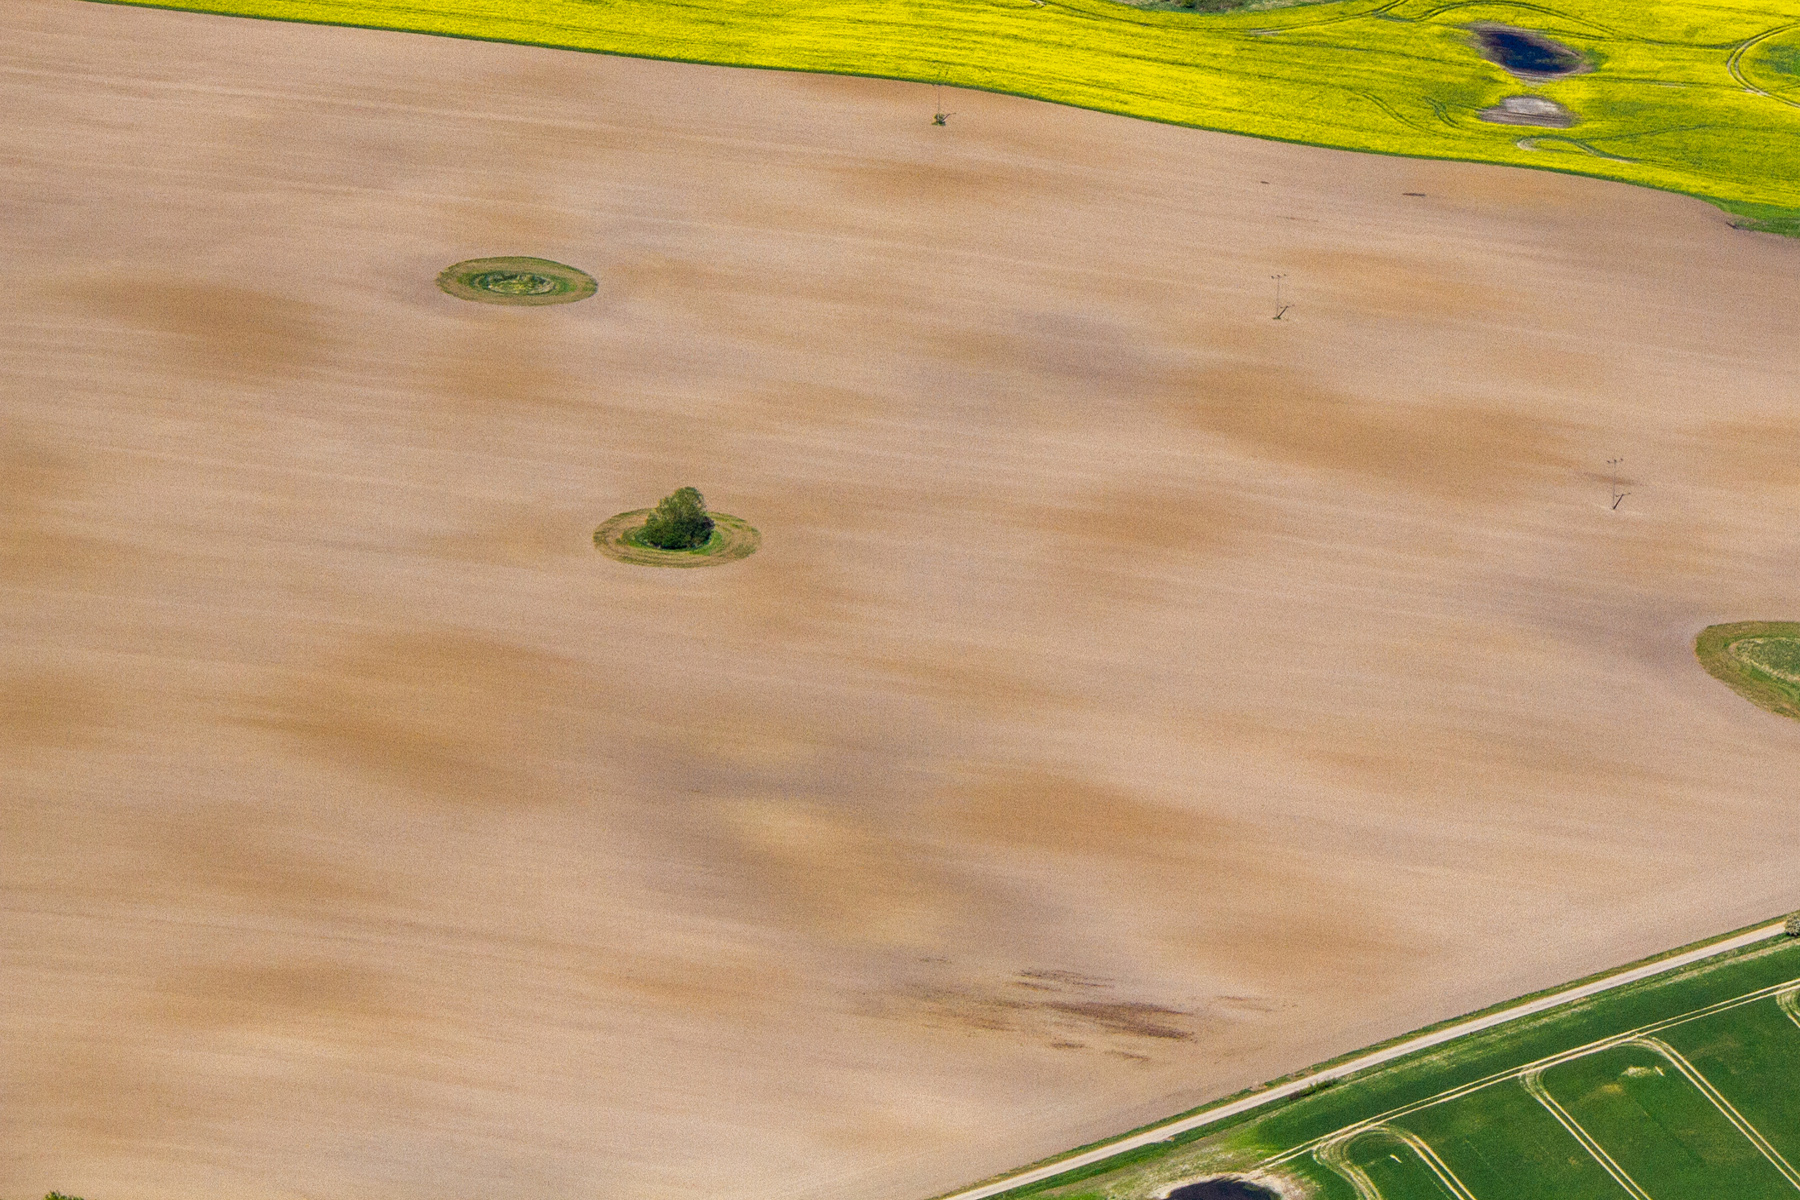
<point>678,523</point>
<point>1692,96</point>
<point>1759,660</point>
<point>679,532</point>
<point>60,1196</point>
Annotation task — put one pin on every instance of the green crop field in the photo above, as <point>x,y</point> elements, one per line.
<point>1678,1085</point>
<point>1696,96</point>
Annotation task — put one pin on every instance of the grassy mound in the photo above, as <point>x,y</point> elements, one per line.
<point>620,537</point>
<point>516,279</point>
<point>1759,660</point>
<point>1694,96</point>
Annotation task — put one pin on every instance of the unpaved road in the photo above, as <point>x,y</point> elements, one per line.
<point>1133,698</point>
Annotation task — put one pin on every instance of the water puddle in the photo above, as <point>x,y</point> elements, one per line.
<point>1530,56</point>
<point>1223,1189</point>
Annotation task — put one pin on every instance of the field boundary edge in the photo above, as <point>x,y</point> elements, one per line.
<point>1379,1054</point>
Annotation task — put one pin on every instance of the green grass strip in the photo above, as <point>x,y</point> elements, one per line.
<point>1692,97</point>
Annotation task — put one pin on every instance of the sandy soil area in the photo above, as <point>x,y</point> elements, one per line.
<point>1134,697</point>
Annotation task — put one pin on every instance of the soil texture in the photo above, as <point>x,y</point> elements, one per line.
<point>1134,698</point>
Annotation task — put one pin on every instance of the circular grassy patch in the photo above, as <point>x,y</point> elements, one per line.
<point>732,538</point>
<point>517,280</point>
<point>1759,660</point>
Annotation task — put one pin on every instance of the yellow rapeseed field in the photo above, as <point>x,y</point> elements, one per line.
<point>1697,96</point>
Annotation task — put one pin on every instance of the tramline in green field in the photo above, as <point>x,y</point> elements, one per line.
<point>1691,96</point>
<point>1679,1085</point>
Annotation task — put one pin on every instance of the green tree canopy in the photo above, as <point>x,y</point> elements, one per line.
<point>679,522</point>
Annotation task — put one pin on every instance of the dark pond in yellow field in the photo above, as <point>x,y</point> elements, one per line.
<point>1223,1189</point>
<point>1526,54</point>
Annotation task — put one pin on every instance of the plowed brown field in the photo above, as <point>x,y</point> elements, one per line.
<point>1134,697</point>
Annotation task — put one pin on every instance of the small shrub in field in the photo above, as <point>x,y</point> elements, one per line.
<point>60,1196</point>
<point>1793,925</point>
<point>678,523</point>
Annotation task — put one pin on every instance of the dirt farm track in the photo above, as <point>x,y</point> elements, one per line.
<point>1133,697</point>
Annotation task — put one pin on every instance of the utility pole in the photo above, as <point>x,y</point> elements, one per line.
<point>939,116</point>
<point>1617,495</point>
<point>1280,308</point>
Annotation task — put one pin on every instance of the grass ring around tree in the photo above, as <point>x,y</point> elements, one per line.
<point>732,538</point>
<point>517,280</point>
<point>1759,660</point>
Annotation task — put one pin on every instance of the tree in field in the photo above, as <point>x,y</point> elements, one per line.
<point>1793,925</point>
<point>679,522</point>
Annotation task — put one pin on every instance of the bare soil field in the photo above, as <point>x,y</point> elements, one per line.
<point>1133,698</point>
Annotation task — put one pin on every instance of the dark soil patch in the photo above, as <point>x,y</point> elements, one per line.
<point>1126,1016</point>
<point>1528,55</point>
<point>1223,1189</point>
